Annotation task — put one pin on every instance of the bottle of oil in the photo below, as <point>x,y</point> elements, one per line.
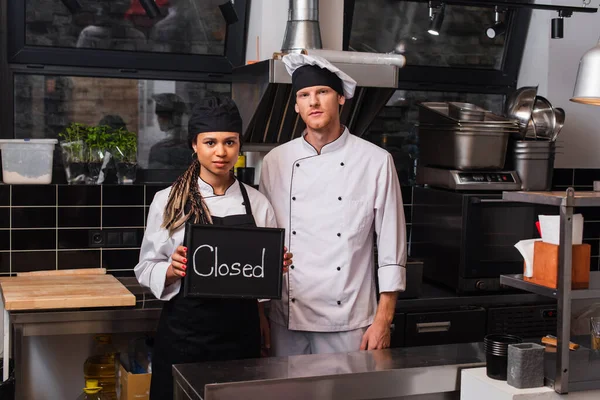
<point>101,366</point>
<point>91,391</point>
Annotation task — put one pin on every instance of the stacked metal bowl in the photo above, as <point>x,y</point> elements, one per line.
<point>537,118</point>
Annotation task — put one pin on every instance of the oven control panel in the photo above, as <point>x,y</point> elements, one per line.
<point>483,177</point>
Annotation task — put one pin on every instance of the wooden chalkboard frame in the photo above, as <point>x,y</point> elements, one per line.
<point>191,230</point>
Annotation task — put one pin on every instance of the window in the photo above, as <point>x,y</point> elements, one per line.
<point>383,26</point>
<point>186,36</point>
<point>461,57</point>
<point>395,128</point>
<point>157,111</point>
<point>186,27</point>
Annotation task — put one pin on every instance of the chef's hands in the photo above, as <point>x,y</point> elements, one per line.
<point>377,336</point>
<point>287,259</point>
<point>178,266</point>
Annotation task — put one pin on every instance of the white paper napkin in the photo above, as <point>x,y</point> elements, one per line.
<point>525,247</point>
<point>550,227</point>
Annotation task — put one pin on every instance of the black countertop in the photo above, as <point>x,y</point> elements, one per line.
<point>437,297</point>
<point>432,297</point>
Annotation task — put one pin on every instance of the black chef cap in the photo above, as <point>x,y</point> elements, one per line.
<point>312,75</point>
<point>214,114</point>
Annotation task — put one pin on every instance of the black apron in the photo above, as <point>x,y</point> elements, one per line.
<point>192,330</point>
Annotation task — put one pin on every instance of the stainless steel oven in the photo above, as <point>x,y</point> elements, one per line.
<point>466,239</point>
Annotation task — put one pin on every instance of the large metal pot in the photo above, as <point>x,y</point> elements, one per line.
<point>463,150</point>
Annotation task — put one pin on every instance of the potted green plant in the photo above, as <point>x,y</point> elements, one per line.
<point>98,142</point>
<point>74,153</point>
<point>124,151</point>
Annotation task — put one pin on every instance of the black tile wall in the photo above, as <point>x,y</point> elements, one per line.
<point>562,177</point>
<point>122,195</point>
<point>33,261</point>
<point>4,195</point>
<point>33,239</point>
<point>79,195</point>
<point>49,226</point>
<point>73,238</point>
<point>4,217</point>
<point>33,195</point>
<point>119,259</point>
<point>85,217</point>
<point>4,263</point>
<point>595,246</point>
<point>31,217</point>
<point>122,216</point>
<point>4,240</point>
<point>586,177</point>
<point>78,259</point>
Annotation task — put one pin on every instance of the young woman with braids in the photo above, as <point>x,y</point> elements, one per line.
<point>195,330</point>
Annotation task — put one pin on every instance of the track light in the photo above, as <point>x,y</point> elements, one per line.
<point>228,12</point>
<point>152,10</point>
<point>498,28</point>
<point>558,24</point>
<point>436,18</point>
<point>73,5</point>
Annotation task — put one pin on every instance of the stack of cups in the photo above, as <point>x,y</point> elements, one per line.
<point>534,162</point>
<point>496,354</point>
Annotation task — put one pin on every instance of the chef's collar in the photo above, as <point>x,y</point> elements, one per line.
<point>207,191</point>
<point>336,145</point>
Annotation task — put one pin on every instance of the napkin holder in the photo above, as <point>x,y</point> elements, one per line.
<point>545,265</point>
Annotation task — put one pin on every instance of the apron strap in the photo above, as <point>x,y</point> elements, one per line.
<point>246,199</point>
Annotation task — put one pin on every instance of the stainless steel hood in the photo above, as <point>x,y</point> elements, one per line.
<point>263,93</point>
<point>263,90</point>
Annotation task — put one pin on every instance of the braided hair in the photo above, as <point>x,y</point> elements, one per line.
<point>185,191</point>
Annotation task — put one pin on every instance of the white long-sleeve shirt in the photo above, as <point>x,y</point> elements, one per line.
<point>330,204</point>
<point>158,246</point>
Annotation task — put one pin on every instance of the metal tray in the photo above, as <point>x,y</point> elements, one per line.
<point>437,113</point>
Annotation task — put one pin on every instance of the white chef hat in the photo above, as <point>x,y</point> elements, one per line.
<point>307,71</point>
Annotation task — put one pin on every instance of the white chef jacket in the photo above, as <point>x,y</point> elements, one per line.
<point>158,246</point>
<point>330,204</point>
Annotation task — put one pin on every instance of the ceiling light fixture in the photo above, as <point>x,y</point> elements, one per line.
<point>228,12</point>
<point>558,24</point>
<point>498,28</point>
<point>436,18</point>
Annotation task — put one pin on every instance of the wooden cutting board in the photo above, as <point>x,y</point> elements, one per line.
<point>63,292</point>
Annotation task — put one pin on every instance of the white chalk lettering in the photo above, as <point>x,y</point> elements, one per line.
<point>223,269</point>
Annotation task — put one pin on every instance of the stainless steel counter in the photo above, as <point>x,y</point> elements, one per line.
<point>423,372</point>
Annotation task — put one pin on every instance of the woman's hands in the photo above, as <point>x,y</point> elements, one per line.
<point>178,266</point>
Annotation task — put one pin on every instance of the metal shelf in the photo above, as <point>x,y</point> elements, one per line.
<point>517,282</point>
<point>580,199</point>
<point>566,202</point>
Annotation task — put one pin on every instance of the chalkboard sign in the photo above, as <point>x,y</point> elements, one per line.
<point>230,262</point>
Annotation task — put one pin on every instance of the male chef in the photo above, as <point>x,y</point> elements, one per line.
<point>332,191</point>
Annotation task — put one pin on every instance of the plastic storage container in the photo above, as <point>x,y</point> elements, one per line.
<point>27,161</point>
<point>102,367</point>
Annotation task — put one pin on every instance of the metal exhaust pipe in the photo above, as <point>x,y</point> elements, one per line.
<point>302,30</point>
